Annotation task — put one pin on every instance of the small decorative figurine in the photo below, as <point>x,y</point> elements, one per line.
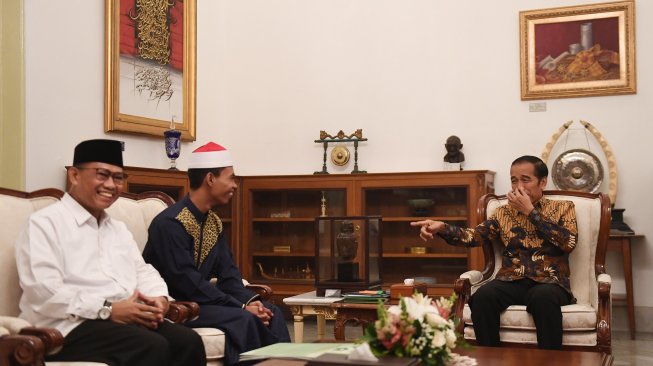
<point>323,205</point>
<point>347,254</point>
<point>340,154</point>
<point>347,245</point>
<point>454,158</point>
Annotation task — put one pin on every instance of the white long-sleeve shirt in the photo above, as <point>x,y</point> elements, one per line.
<point>68,265</point>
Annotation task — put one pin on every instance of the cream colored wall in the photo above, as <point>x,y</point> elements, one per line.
<point>12,97</point>
<point>273,73</point>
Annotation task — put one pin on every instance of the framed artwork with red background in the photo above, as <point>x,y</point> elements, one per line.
<point>150,77</point>
<point>578,51</point>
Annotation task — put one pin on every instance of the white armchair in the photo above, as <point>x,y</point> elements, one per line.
<point>21,344</point>
<point>586,324</point>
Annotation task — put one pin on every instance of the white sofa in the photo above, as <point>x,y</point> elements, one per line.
<point>24,345</point>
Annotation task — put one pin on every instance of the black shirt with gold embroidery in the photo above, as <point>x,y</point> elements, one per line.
<point>188,248</point>
<point>536,246</point>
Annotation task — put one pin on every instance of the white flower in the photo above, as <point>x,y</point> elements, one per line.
<point>395,310</point>
<point>418,305</point>
<point>418,326</point>
<point>435,320</point>
<point>414,310</point>
<point>438,340</point>
<point>451,338</point>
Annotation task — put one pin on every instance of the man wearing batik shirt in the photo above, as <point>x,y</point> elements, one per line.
<point>538,235</point>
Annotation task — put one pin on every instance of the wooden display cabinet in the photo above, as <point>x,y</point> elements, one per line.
<point>405,197</point>
<point>278,227</point>
<point>278,233</point>
<point>172,182</point>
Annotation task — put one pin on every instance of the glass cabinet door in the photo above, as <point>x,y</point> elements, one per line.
<point>282,237</point>
<point>405,254</point>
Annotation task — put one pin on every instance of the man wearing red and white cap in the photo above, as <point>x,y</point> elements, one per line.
<point>186,243</point>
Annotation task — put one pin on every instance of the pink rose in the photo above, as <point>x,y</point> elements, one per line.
<point>389,339</point>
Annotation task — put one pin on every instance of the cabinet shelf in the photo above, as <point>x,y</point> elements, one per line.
<point>284,219</point>
<point>427,255</point>
<point>284,281</point>
<point>283,254</point>
<point>419,218</point>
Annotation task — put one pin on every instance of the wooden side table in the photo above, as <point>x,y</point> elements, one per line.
<point>621,243</point>
<point>359,314</point>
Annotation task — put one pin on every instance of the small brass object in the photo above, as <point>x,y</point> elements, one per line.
<point>340,155</point>
<point>281,249</point>
<point>418,250</point>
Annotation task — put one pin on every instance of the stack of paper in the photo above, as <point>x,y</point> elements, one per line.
<point>296,350</point>
<point>366,297</point>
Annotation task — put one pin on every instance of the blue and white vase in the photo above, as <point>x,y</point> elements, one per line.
<point>173,146</point>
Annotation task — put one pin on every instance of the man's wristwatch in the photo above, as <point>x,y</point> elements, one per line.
<point>105,311</point>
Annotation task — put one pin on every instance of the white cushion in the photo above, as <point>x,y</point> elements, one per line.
<point>13,324</point>
<point>213,339</point>
<point>576,317</point>
<point>587,339</point>
<point>14,212</point>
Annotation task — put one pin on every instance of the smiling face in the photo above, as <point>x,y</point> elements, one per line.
<point>522,175</point>
<point>223,186</point>
<point>93,186</point>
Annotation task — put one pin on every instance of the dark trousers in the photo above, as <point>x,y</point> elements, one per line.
<point>119,344</point>
<point>542,300</point>
<point>244,331</point>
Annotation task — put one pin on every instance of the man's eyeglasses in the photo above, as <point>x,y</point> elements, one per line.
<point>103,175</point>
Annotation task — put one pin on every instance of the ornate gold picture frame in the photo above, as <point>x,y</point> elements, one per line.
<point>150,77</point>
<point>578,51</point>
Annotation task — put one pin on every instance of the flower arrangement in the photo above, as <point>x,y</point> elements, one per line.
<point>418,327</point>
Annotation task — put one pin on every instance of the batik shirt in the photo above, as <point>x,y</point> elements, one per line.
<point>536,245</point>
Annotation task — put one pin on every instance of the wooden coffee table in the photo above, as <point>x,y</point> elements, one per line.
<point>506,356</point>
<point>500,356</point>
<point>513,356</point>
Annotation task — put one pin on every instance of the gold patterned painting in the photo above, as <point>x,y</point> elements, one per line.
<point>150,66</point>
<point>578,51</point>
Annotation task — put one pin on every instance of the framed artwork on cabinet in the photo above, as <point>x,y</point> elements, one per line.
<point>578,51</point>
<point>150,77</point>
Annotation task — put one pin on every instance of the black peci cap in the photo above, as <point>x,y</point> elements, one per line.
<point>101,151</point>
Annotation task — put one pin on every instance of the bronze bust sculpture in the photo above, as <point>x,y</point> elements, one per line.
<point>453,146</point>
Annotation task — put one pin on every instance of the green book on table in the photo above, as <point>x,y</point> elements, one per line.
<point>366,297</point>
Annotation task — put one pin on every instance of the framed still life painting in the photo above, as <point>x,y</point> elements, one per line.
<point>578,51</point>
<point>150,66</point>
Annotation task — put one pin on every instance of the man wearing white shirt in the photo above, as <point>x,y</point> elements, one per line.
<point>82,273</point>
